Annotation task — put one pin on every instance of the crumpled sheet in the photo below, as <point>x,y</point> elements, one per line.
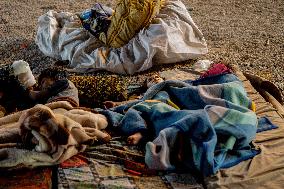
<point>172,37</point>
<point>64,131</point>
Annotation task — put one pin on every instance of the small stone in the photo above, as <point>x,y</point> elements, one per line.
<point>267,42</point>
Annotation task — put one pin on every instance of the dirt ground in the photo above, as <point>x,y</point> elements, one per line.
<point>244,32</point>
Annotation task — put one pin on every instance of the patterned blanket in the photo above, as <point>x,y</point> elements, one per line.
<point>212,117</point>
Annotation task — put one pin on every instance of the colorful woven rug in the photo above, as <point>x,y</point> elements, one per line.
<point>116,165</point>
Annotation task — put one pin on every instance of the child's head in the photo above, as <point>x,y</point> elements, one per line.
<point>48,76</point>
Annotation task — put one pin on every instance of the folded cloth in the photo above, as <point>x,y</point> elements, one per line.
<point>216,69</point>
<point>49,134</point>
<point>264,124</point>
<point>171,37</point>
<point>216,120</point>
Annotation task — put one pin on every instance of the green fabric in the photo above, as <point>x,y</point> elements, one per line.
<point>237,96</point>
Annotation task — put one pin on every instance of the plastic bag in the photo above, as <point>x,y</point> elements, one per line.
<point>97,19</point>
<point>202,65</point>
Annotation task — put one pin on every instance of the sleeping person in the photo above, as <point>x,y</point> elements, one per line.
<point>54,86</point>
<point>18,89</point>
<point>145,130</point>
<point>56,92</point>
<point>135,137</point>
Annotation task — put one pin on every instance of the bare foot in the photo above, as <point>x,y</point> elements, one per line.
<point>134,139</point>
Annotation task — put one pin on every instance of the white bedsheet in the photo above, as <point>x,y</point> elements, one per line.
<point>172,37</point>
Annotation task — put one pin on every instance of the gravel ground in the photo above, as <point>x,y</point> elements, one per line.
<point>248,33</point>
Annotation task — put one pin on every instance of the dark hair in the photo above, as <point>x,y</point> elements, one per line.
<point>52,73</point>
<point>15,96</point>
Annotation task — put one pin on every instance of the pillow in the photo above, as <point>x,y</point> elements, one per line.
<point>129,18</point>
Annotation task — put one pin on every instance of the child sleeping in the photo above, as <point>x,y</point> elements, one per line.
<point>17,86</point>
<point>54,86</point>
<point>135,138</point>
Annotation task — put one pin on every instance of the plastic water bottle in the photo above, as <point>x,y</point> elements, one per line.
<point>24,74</point>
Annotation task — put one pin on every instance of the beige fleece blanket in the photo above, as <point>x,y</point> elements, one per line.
<point>48,134</point>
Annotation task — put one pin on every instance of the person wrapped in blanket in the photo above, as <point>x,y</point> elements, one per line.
<point>17,88</point>
<point>134,139</point>
<point>154,120</point>
<point>54,86</point>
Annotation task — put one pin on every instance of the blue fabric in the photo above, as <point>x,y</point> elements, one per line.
<point>96,20</point>
<point>216,119</point>
<point>215,79</point>
<point>264,124</point>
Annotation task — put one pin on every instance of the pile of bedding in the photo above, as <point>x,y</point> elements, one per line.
<point>195,133</point>
<point>165,34</point>
<point>219,105</point>
<point>118,165</point>
<point>48,134</point>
